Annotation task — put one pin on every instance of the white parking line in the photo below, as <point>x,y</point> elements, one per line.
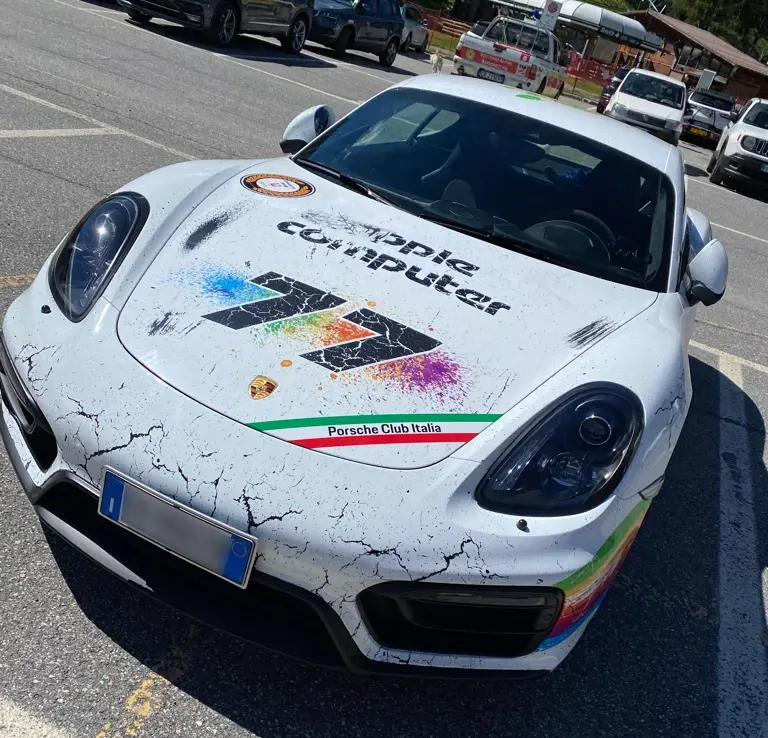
<point>741,660</point>
<point>740,233</point>
<point>729,357</point>
<point>56,132</point>
<point>80,116</point>
<point>16,722</point>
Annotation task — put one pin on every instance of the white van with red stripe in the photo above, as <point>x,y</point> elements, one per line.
<point>513,52</point>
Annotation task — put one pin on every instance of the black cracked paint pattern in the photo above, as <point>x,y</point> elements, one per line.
<point>393,341</point>
<point>591,333</point>
<point>296,298</point>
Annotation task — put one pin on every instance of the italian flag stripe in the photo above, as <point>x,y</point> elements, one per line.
<point>387,439</point>
<point>367,430</point>
<point>355,419</point>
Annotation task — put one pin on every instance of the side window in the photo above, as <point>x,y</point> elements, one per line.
<point>373,6</point>
<point>496,32</point>
<point>411,14</point>
<point>541,45</point>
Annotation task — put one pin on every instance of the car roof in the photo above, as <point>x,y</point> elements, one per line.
<point>617,135</point>
<point>649,73</point>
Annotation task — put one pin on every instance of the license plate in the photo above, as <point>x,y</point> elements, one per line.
<point>764,168</point>
<point>492,76</point>
<point>196,538</point>
<point>699,132</point>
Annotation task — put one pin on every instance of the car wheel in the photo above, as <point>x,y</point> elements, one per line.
<point>293,43</point>
<point>716,176</point>
<point>711,162</point>
<point>344,41</point>
<point>225,24</point>
<point>387,58</point>
<point>542,87</point>
<point>423,46</point>
<point>406,44</point>
<point>142,18</point>
<point>559,91</point>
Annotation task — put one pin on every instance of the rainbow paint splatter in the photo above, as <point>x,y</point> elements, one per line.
<point>586,588</point>
<point>436,372</point>
<point>326,328</point>
<point>228,288</point>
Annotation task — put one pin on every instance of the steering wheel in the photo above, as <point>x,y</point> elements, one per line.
<point>591,223</point>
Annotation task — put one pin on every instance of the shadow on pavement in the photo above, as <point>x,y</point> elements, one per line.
<point>647,664</point>
<point>362,59</point>
<point>693,171</point>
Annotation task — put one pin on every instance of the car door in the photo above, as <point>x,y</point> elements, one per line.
<point>365,25</point>
<point>387,21</point>
<point>257,14</point>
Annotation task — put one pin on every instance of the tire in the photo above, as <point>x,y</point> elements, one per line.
<point>345,41</point>
<point>711,163</point>
<point>388,56</point>
<point>542,87</point>
<point>293,43</point>
<point>225,24</point>
<point>406,44</point>
<point>716,176</point>
<point>423,47</point>
<point>137,17</point>
<point>559,91</point>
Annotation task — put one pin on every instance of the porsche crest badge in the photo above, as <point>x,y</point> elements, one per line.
<point>262,387</point>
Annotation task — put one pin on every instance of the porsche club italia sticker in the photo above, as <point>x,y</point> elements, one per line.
<point>368,430</point>
<point>277,185</point>
<point>261,387</point>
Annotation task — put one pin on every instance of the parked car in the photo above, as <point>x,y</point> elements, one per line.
<point>221,20</point>
<point>742,154</point>
<point>415,33</point>
<point>368,25</point>
<point>605,97</point>
<point>470,379</point>
<point>651,101</point>
<point>707,115</point>
<point>519,53</point>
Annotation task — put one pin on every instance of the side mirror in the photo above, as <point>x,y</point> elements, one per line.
<point>689,111</point>
<point>362,8</point>
<point>425,23</point>
<point>708,272</point>
<point>305,127</point>
<point>733,116</point>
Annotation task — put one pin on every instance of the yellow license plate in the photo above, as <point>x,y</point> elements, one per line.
<point>698,132</point>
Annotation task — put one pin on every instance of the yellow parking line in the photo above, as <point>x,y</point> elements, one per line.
<point>16,280</point>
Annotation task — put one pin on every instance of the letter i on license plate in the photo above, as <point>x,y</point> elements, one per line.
<point>180,530</point>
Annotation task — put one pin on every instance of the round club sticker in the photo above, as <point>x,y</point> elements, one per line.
<point>277,185</point>
<point>552,7</point>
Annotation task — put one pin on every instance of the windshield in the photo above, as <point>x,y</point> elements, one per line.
<point>758,116</point>
<point>520,36</point>
<point>509,179</point>
<point>655,90</point>
<point>712,101</point>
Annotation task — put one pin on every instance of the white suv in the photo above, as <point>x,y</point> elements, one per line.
<point>742,154</point>
<point>651,101</point>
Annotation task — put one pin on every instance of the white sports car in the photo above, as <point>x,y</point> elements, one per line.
<point>398,402</point>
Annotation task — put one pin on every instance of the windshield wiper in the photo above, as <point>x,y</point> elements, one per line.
<point>346,180</point>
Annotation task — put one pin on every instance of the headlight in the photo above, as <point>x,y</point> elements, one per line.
<point>619,110</point>
<point>673,124</point>
<point>571,460</point>
<point>749,143</point>
<point>93,251</point>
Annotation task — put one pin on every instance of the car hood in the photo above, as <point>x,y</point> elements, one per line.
<point>336,5</point>
<point>639,105</point>
<point>747,130</point>
<point>335,322</point>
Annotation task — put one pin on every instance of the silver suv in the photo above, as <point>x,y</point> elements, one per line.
<point>221,20</point>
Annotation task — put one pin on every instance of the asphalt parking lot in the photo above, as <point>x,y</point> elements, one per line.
<point>679,648</point>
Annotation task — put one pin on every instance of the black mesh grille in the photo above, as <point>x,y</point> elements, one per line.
<point>474,620</point>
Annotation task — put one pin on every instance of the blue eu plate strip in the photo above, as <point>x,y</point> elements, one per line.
<point>238,556</point>
<point>112,496</point>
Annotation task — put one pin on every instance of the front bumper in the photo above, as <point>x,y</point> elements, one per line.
<point>316,592</point>
<point>325,29</point>
<point>665,134</point>
<point>185,12</point>
<point>746,169</point>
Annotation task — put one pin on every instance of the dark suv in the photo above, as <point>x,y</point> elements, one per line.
<point>367,25</point>
<point>221,20</point>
